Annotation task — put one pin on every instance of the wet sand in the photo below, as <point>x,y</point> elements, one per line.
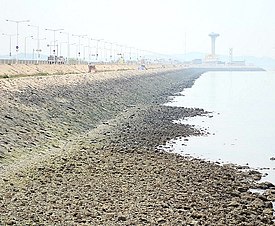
<point>79,150</point>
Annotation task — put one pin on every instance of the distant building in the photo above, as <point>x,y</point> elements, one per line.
<point>211,59</point>
<point>237,63</point>
<point>196,61</point>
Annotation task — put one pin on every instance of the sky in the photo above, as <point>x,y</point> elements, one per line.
<point>162,26</point>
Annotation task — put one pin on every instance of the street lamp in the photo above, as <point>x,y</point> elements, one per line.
<point>130,53</point>
<point>9,35</point>
<point>111,50</point>
<point>25,49</point>
<point>104,56</point>
<point>38,49</point>
<point>114,50</point>
<point>137,55</point>
<point>89,49</point>
<point>121,52</point>
<point>17,28</point>
<point>68,44</point>
<point>54,30</point>
<point>84,47</point>
<point>38,41</point>
<point>97,40</point>
<point>60,47</point>
<point>79,37</point>
<point>74,44</point>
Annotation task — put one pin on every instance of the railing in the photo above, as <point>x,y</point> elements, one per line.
<point>71,62</point>
<point>14,61</point>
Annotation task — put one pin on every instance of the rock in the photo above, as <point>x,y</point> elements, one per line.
<point>121,179</point>
<point>268,211</point>
<point>242,189</point>
<point>11,222</point>
<point>121,218</point>
<point>265,185</point>
<point>255,174</point>
<point>161,220</point>
<point>257,203</point>
<point>234,204</point>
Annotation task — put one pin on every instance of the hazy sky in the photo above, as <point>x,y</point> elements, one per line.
<point>157,25</point>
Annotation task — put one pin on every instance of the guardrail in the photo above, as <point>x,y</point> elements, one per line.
<point>14,61</point>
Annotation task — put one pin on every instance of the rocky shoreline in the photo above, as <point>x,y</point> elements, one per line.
<point>83,151</point>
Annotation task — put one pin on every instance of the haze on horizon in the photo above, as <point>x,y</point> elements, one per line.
<point>157,25</point>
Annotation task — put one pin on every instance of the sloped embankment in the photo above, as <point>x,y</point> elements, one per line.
<point>42,113</point>
<point>113,174</point>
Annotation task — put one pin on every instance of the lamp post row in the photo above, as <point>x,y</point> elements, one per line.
<point>112,50</point>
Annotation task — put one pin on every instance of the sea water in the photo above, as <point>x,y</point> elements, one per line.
<point>242,129</point>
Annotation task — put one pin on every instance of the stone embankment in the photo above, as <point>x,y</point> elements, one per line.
<point>23,70</point>
<point>83,150</point>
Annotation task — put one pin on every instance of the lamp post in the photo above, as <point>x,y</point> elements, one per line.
<point>17,29</point>
<point>130,53</point>
<point>38,41</point>
<point>127,53</point>
<point>25,47</point>
<point>54,30</point>
<point>111,51</point>
<point>137,55</point>
<point>76,49</point>
<point>116,52</point>
<point>38,50</point>
<point>84,52</point>
<point>9,35</point>
<point>121,53</point>
<point>60,47</point>
<point>79,37</point>
<point>97,44</point>
<point>89,48</point>
<point>104,52</point>
<point>68,44</point>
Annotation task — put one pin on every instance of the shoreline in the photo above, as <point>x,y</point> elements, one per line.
<point>101,165</point>
<point>27,70</point>
<point>30,70</point>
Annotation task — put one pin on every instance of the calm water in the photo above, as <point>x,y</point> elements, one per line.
<point>243,124</point>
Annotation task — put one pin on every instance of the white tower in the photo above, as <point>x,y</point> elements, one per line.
<point>213,37</point>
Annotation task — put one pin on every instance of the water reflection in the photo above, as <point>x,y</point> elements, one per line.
<point>243,127</point>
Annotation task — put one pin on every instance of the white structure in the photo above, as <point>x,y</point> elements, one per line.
<point>213,39</point>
